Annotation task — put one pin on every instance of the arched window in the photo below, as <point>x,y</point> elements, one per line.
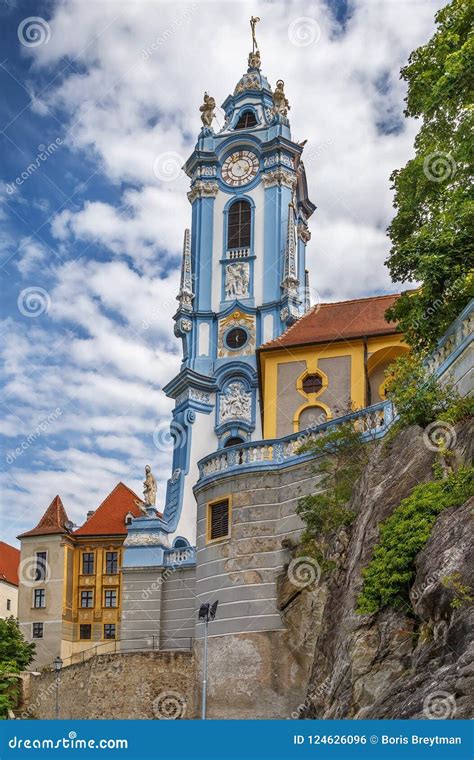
<point>238,229</point>
<point>180,543</point>
<point>233,441</point>
<point>246,120</point>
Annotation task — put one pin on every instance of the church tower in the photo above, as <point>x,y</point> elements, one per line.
<point>242,277</point>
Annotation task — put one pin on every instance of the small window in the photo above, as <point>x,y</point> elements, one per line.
<point>246,120</point>
<point>219,519</point>
<point>87,598</point>
<point>39,598</point>
<point>109,631</point>
<point>85,631</point>
<point>234,440</point>
<point>37,630</point>
<point>40,569</point>
<point>9,604</point>
<point>312,383</point>
<point>238,227</point>
<point>88,563</point>
<point>128,519</point>
<point>111,563</point>
<point>110,598</point>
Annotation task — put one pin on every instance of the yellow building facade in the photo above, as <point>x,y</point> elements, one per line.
<point>330,363</point>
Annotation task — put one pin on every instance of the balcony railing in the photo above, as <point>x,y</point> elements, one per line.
<point>238,253</point>
<point>371,422</point>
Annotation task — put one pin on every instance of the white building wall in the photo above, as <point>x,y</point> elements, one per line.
<point>8,593</point>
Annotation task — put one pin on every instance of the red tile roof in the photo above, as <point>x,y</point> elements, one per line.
<point>109,518</point>
<point>9,561</point>
<point>53,521</point>
<point>343,320</point>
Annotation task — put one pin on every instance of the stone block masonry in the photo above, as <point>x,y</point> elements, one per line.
<point>128,685</point>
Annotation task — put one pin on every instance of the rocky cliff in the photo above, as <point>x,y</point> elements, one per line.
<point>411,663</point>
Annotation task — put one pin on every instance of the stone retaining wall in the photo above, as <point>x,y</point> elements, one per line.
<point>127,685</point>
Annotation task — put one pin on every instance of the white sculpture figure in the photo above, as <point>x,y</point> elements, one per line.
<point>149,488</point>
<point>235,403</point>
<point>237,280</point>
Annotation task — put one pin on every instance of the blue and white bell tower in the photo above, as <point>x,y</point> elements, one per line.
<point>242,278</point>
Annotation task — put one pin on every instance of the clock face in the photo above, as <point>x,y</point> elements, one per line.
<point>240,168</point>
<point>236,338</point>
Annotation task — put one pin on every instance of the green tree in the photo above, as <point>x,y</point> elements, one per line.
<point>341,455</point>
<point>15,655</point>
<point>420,398</point>
<point>431,233</point>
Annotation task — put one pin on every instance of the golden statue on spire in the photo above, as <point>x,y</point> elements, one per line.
<point>254,56</point>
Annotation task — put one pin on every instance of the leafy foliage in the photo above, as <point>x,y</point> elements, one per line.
<point>342,457</point>
<point>15,655</point>
<point>388,575</point>
<point>420,398</point>
<point>431,233</point>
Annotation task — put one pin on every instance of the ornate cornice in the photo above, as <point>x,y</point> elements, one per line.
<point>203,190</point>
<point>303,232</point>
<point>279,177</point>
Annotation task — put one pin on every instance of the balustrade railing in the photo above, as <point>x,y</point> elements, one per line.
<point>371,422</point>
<point>238,253</point>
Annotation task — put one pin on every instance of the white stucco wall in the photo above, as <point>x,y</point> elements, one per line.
<point>8,592</point>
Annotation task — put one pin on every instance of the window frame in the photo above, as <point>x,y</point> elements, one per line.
<point>33,625</point>
<point>42,593</point>
<point>109,638</point>
<point>108,591</point>
<point>40,574</point>
<point>85,638</point>
<point>106,570</point>
<point>209,507</point>
<point>88,554</point>
<point>240,203</point>
<point>246,112</point>
<point>86,591</point>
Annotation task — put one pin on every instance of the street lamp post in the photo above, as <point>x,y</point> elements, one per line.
<point>207,612</point>
<point>58,663</point>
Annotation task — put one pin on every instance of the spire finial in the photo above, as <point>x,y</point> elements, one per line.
<point>186,295</point>
<point>253,23</point>
<point>254,55</point>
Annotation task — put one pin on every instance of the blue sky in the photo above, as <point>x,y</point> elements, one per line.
<point>103,109</point>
